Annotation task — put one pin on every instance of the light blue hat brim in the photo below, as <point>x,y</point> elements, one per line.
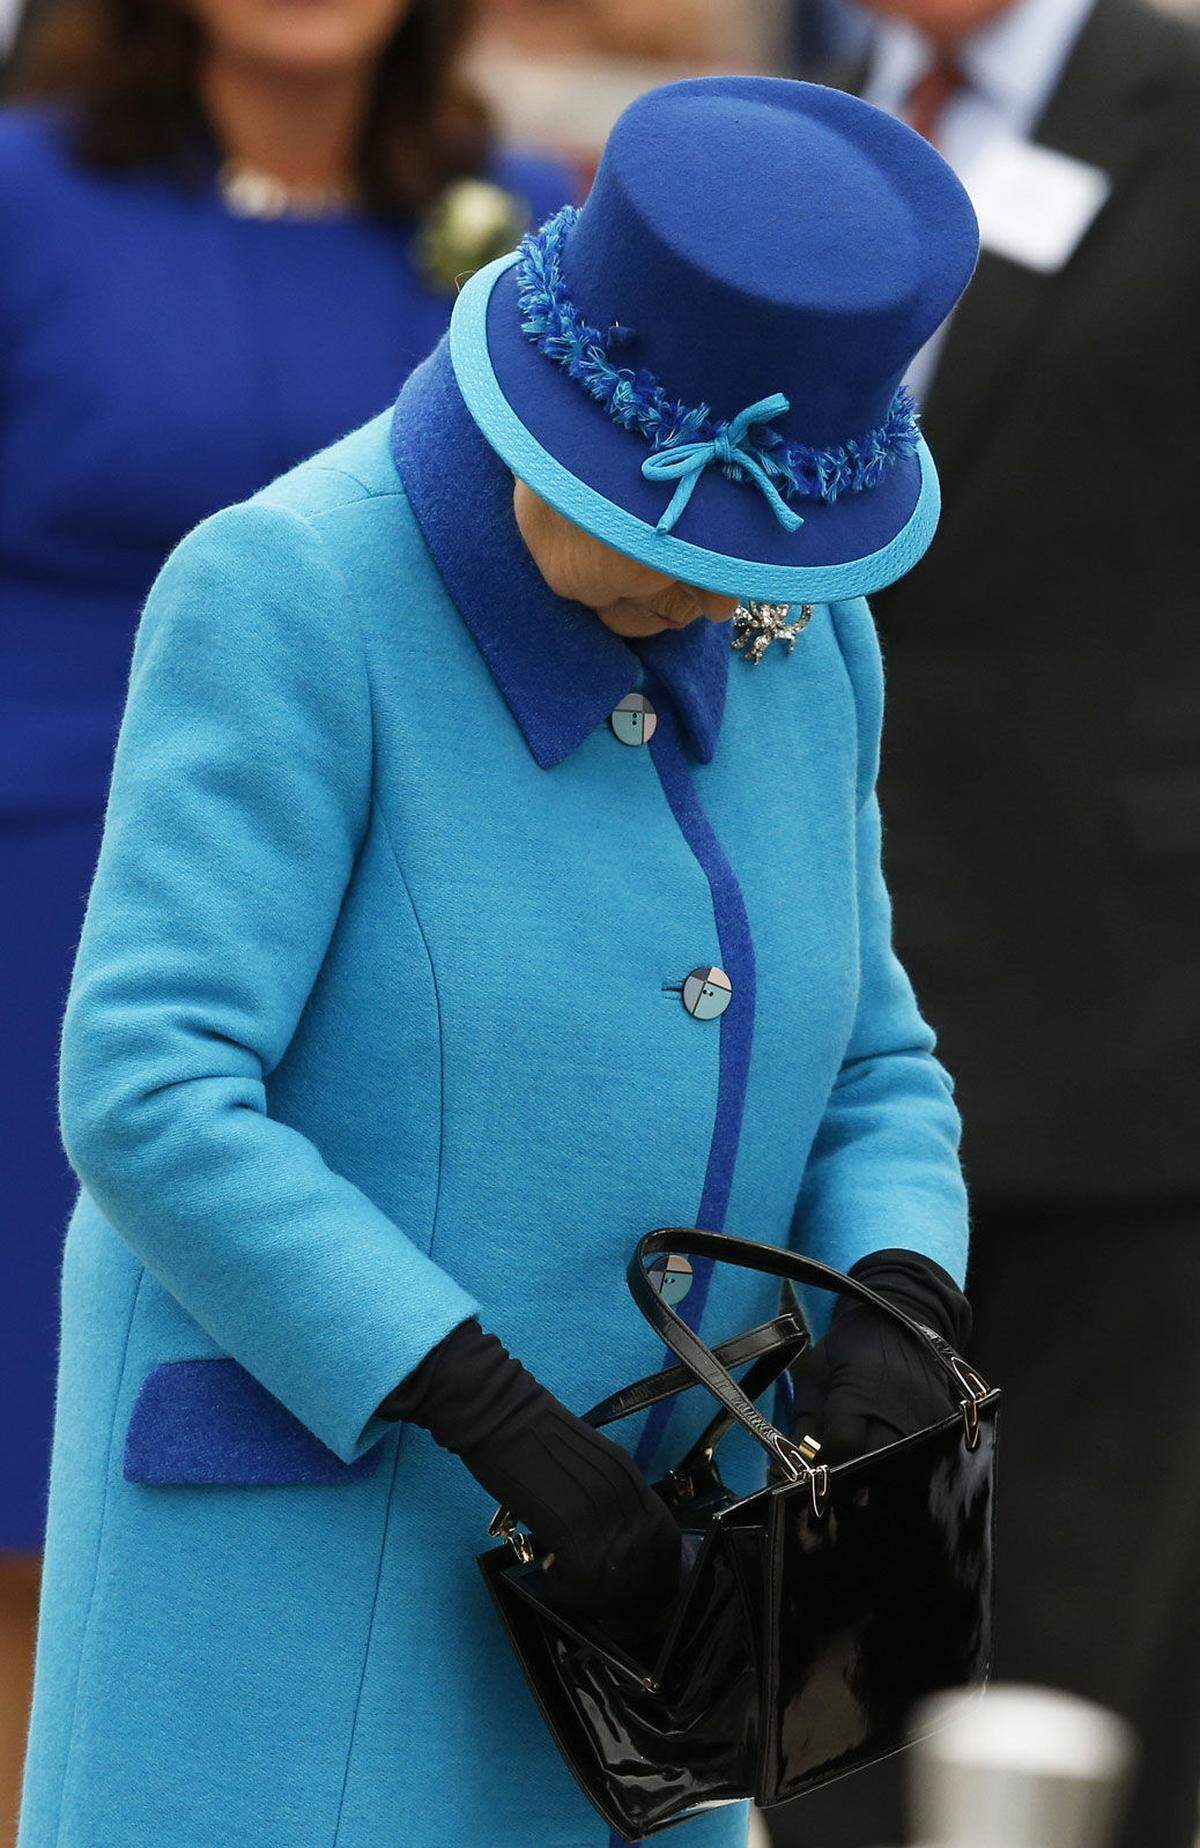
<point>677,558</point>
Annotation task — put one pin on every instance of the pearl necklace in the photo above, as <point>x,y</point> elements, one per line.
<point>251,193</point>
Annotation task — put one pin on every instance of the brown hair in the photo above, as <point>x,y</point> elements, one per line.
<point>129,70</point>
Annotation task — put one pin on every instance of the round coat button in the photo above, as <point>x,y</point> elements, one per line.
<point>707,993</point>
<point>634,719</point>
<point>671,1276</point>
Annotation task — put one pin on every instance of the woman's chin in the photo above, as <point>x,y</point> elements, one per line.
<point>635,624</point>
<point>307,44</point>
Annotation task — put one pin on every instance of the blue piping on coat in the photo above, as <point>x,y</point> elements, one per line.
<point>736,1023</point>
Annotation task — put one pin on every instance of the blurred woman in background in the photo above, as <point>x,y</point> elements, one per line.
<point>198,202</point>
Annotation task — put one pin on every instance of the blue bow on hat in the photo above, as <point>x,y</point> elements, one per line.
<point>686,462</point>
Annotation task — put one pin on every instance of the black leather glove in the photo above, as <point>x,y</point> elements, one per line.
<point>616,1547</point>
<point>869,1381</point>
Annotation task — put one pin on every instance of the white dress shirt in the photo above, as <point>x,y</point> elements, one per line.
<point>10,13</point>
<point>1012,66</point>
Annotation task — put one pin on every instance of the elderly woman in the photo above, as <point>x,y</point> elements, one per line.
<point>468,905</point>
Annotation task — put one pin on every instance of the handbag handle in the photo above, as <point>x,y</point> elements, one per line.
<point>708,1367</point>
<point>700,1360</point>
<point>782,1339</point>
<point>770,1346</point>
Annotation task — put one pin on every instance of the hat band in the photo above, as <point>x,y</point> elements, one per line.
<point>687,440</point>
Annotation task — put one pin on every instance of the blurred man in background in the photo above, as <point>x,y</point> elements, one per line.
<point>1048,649</point>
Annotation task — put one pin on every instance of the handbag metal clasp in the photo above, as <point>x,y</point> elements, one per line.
<point>798,1457</point>
<point>796,1454</point>
<point>799,1460</point>
<point>503,1527</point>
<point>977,1390</point>
<point>818,1488</point>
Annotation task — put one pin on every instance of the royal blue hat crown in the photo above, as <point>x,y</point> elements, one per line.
<point>704,365</point>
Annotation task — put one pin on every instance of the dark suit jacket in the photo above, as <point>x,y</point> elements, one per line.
<point>1042,763</point>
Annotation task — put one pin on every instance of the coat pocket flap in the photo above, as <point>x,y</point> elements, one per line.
<point>209,1421</point>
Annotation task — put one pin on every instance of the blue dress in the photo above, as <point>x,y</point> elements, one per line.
<point>159,358</point>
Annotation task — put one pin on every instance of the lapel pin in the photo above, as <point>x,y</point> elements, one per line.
<point>757,625</point>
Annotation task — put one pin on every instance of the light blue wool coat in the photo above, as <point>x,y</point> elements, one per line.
<point>375,1025</point>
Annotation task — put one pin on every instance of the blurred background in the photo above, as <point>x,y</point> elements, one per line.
<point>229,228</point>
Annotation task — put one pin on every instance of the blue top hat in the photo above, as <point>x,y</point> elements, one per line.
<point>704,365</point>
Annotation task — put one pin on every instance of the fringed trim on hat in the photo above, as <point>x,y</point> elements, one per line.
<point>636,400</point>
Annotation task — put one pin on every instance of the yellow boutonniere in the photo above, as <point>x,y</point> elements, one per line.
<point>468,224</point>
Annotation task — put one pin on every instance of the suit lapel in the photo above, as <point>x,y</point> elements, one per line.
<point>1097,114</point>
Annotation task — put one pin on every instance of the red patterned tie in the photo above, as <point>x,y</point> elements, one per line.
<point>931,93</point>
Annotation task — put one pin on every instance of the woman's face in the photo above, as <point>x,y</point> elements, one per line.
<point>945,22</point>
<point>300,37</point>
<point>629,597</point>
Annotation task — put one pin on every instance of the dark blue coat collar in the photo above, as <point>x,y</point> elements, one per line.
<point>560,669</point>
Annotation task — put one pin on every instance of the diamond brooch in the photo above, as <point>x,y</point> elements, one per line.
<point>757,625</point>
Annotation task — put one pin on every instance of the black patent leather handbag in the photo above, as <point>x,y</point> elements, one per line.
<point>814,1613</point>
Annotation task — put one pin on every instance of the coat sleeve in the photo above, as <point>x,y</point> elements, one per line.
<point>884,1167</point>
<point>241,792</point>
